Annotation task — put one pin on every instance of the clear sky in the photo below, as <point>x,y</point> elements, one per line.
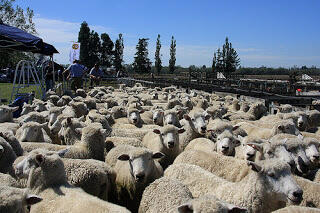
<point>272,33</point>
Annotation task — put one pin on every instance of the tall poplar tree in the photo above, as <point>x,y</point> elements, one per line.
<point>106,50</point>
<point>172,61</point>
<point>158,62</point>
<point>84,40</point>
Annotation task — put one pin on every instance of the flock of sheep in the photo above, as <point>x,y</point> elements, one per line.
<point>138,149</point>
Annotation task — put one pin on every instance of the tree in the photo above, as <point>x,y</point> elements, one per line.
<point>172,61</point>
<point>141,62</point>
<point>106,50</point>
<point>118,54</point>
<point>158,62</point>
<point>94,49</point>
<point>84,39</point>
<point>214,62</point>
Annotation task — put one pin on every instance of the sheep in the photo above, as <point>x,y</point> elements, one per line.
<point>112,156</point>
<point>225,144</point>
<point>171,117</point>
<point>69,132</point>
<point>15,200</point>
<point>53,99</point>
<point>172,103</point>
<point>81,92</point>
<point>176,197</point>
<point>245,151</point>
<point>91,103</point>
<point>79,108</point>
<point>195,126</point>
<point>118,112</point>
<point>30,146</point>
<point>47,178</point>
<point>311,192</point>
<point>27,108</point>
<point>7,157</point>
<point>133,117</point>
<point>64,100</point>
<point>166,141</point>
<point>286,108</point>
<point>91,145</point>
<point>8,180</point>
<point>313,119</point>
<point>135,170</point>
<point>54,112</point>
<point>285,126</point>
<point>14,143</point>
<point>133,133</point>
<point>297,209</point>
<point>312,146</point>
<point>6,113</point>
<point>256,111</point>
<point>267,187</point>
<point>9,127</point>
<point>33,132</point>
<point>94,117</point>
<point>40,105</point>
<point>32,117</point>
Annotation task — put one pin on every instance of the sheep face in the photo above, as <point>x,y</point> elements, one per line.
<point>40,107</point>
<point>169,136</point>
<point>157,117</point>
<point>312,152</point>
<point>170,118</point>
<point>302,122</point>
<point>141,164</point>
<point>198,122</point>
<point>278,180</point>
<point>6,113</point>
<point>249,152</point>
<point>278,151</point>
<point>134,117</point>
<point>286,127</point>
<point>155,96</point>
<point>54,115</point>
<point>226,143</point>
<point>27,108</point>
<point>299,155</point>
<point>33,117</point>
<point>16,200</point>
<point>31,132</point>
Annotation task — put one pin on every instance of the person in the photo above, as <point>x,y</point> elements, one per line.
<point>76,72</point>
<point>95,75</point>
<point>49,76</point>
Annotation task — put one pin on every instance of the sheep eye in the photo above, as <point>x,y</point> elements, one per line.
<point>269,152</point>
<point>271,174</point>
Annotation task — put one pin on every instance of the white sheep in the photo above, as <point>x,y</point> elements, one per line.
<point>135,170</point>
<point>7,157</point>
<point>297,209</point>
<point>310,192</point>
<point>6,113</point>
<point>33,132</point>
<point>46,176</point>
<point>13,141</point>
<point>273,185</point>
<point>166,141</point>
<point>69,132</point>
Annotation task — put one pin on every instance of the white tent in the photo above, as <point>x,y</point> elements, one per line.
<point>305,77</point>
<point>220,75</point>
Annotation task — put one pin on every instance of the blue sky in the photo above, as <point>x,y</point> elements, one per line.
<point>272,33</point>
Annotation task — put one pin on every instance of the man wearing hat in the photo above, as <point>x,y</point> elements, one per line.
<point>76,72</point>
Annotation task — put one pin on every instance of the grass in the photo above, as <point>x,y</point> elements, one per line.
<point>6,90</point>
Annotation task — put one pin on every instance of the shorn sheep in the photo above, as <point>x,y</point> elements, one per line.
<point>47,179</point>
<point>267,187</point>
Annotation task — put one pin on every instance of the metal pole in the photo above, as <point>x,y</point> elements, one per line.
<point>54,78</point>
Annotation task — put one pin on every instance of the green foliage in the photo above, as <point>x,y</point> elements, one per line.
<point>106,50</point>
<point>94,49</point>
<point>118,54</point>
<point>84,39</point>
<point>226,60</point>
<point>158,62</point>
<point>172,60</point>
<point>141,62</point>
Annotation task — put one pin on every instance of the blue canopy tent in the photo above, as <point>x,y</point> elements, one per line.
<point>12,38</point>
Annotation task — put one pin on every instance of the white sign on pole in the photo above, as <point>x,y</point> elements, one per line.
<point>74,52</point>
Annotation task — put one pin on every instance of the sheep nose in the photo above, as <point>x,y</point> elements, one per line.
<point>250,156</point>
<point>298,194</point>
<point>155,120</point>
<point>170,122</point>
<point>316,157</point>
<point>140,177</point>
<point>203,128</point>
<point>135,120</point>
<point>18,172</point>
<point>171,144</point>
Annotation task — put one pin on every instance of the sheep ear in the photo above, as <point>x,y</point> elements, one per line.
<point>21,124</point>
<point>235,128</point>
<point>237,142</point>
<point>187,117</point>
<point>13,109</point>
<point>61,153</point>
<point>1,149</point>
<point>255,167</point>
<point>185,208</point>
<point>39,158</point>
<point>141,111</point>
<point>182,130</point>
<point>1,134</point>
<point>69,120</point>
<point>157,131</point>
<point>32,199</point>
<point>280,127</point>
<point>300,137</point>
<point>157,155</point>
<point>207,117</point>
<point>124,157</point>
<point>256,146</point>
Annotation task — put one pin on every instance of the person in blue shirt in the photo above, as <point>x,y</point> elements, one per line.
<point>76,72</point>
<point>95,75</point>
